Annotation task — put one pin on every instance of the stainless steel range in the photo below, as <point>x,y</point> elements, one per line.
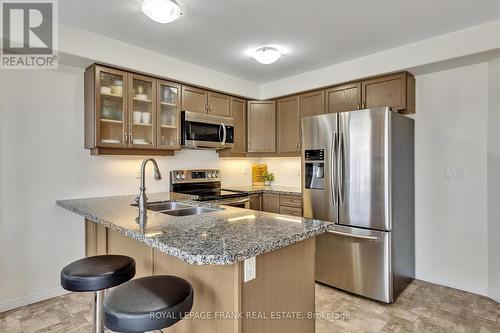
<point>206,185</point>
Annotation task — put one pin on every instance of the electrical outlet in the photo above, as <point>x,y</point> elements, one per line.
<point>250,271</point>
<point>138,173</point>
<point>454,174</point>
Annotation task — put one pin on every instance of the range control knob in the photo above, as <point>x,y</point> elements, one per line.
<point>183,177</point>
<point>209,175</point>
<point>178,177</point>
<point>216,175</point>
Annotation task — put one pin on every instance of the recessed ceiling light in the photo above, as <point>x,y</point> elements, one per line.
<point>267,55</point>
<point>162,11</point>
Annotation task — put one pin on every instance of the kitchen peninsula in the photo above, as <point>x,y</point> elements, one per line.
<point>209,251</point>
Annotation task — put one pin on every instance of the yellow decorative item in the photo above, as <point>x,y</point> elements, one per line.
<point>258,171</point>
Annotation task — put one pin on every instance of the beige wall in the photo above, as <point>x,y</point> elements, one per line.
<point>42,160</point>
<point>451,221</point>
<point>494,181</point>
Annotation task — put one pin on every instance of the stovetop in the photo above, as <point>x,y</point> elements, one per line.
<point>218,195</point>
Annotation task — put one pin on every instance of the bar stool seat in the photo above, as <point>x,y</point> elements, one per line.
<point>97,273</point>
<point>148,304</point>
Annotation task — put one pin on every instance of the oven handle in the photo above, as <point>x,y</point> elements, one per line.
<point>224,134</point>
<point>241,201</point>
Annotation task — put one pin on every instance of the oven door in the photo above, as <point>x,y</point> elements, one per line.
<point>206,131</point>
<point>242,202</point>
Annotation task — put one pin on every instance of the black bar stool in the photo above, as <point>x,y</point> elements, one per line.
<point>97,274</point>
<point>148,304</point>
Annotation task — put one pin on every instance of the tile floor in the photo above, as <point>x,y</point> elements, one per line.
<point>423,307</point>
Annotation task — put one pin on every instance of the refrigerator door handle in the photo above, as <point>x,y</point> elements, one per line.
<point>340,233</point>
<point>333,185</point>
<point>340,169</point>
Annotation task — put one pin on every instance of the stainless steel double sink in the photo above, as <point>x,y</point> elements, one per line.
<point>175,208</point>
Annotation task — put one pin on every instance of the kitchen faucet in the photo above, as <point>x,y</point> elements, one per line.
<point>142,200</point>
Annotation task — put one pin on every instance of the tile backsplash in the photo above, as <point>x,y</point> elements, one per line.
<point>239,171</point>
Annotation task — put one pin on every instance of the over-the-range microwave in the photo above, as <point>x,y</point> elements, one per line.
<point>205,131</point>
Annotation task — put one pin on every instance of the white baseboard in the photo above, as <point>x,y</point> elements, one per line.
<point>478,291</point>
<point>30,299</point>
<point>494,297</point>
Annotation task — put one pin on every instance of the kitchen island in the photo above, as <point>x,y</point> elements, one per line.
<point>209,251</point>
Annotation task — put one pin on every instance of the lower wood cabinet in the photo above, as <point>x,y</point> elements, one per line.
<point>288,124</point>
<point>282,204</point>
<point>261,126</point>
<point>292,211</point>
<point>256,201</point>
<point>271,202</point>
<point>142,253</point>
<point>291,205</point>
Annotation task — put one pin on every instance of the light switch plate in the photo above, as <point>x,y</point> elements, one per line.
<point>454,174</point>
<point>250,271</point>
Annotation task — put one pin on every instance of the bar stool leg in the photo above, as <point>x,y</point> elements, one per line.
<point>98,319</point>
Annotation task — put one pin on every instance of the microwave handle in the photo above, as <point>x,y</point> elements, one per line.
<point>224,136</point>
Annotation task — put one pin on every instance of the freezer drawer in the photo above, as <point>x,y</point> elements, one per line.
<point>356,260</point>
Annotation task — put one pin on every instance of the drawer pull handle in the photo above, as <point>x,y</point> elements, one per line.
<point>352,235</point>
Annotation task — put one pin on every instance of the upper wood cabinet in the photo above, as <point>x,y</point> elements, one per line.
<point>121,113</point>
<point>396,91</point>
<point>120,109</point>
<point>288,124</point>
<point>312,103</point>
<point>168,115</point>
<point>204,101</point>
<point>106,108</point>
<point>194,99</point>
<point>218,104</point>
<point>142,112</point>
<point>238,112</point>
<point>342,98</point>
<point>261,126</point>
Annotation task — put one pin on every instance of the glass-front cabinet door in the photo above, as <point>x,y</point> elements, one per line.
<point>111,106</point>
<point>168,115</point>
<point>142,112</point>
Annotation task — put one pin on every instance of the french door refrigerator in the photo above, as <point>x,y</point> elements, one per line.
<point>358,172</point>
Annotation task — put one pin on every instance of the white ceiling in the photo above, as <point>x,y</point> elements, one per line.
<point>216,33</point>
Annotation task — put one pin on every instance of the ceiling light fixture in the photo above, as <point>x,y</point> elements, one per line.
<point>162,11</point>
<point>267,55</point>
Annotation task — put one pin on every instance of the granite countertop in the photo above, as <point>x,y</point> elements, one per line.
<point>222,237</point>
<point>290,190</point>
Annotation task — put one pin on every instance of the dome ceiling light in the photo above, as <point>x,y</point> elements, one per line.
<point>267,55</point>
<point>162,11</point>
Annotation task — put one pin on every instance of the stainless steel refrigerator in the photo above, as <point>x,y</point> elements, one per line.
<point>358,172</point>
